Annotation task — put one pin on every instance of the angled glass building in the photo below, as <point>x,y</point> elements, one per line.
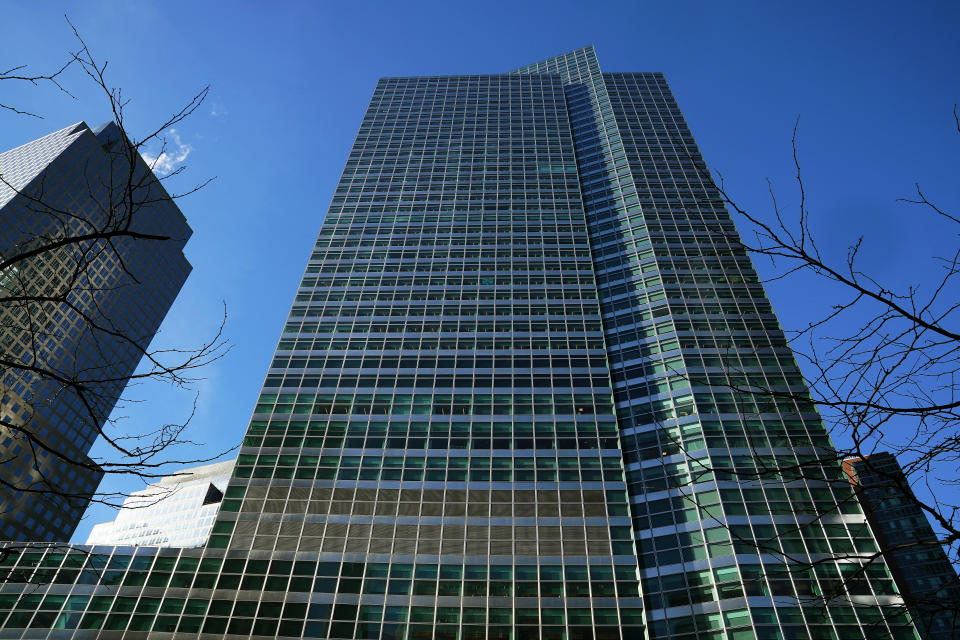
<point>75,317</point>
<point>501,407</point>
<point>176,511</point>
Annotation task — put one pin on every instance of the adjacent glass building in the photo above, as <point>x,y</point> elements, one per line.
<point>501,407</point>
<point>920,567</point>
<point>177,511</point>
<point>76,318</point>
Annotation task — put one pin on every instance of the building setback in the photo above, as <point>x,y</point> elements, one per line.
<point>176,511</point>
<point>501,407</point>
<point>92,308</point>
<point>920,567</point>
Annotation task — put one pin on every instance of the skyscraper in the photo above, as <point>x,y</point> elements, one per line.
<point>920,567</point>
<point>76,314</point>
<point>502,404</point>
<point>176,511</point>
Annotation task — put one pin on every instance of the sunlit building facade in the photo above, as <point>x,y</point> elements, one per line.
<point>502,407</point>
<point>176,511</point>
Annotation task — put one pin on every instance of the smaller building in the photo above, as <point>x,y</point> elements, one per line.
<point>920,567</point>
<point>177,511</point>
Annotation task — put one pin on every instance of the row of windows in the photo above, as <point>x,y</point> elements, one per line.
<point>400,300</point>
<point>453,513</point>
<point>430,404</point>
<point>523,383</point>
<point>425,344</point>
<point>523,550</point>
<point>479,228</point>
<point>500,326</point>
<point>427,360</point>
<point>433,218</point>
<point>422,442</point>
<point>454,280</point>
<point>383,316</point>
<point>60,567</point>
<point>756,466</point>
<point>470,437</point>
<point>582,427</point>
<point>452,474</point>
<point>434,462</point>
<point>547,624</point>
<point>725,435</point>
<point>436,262</point>
<point>488,204</point>
<point>326,244</point>
<point>475,497</point>
<point>457,194</point>
<point>450,312</point>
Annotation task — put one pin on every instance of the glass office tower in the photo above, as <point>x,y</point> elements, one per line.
<point>501,408</point>
<point>76,319</point>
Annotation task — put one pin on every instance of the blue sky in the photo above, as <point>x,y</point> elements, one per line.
<point>873,84</point>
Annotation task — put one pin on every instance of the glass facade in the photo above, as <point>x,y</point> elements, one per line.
<point>920,567</point>
<point>721,542</point>
<point>82,313</point>
<point>501,405</point>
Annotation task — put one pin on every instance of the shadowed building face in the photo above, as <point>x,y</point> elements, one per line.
<point>75,319</point>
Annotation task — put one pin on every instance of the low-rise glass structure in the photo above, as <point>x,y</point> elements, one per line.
<point>176,511</point>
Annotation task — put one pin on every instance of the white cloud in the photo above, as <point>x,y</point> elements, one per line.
<point>175,152</point>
